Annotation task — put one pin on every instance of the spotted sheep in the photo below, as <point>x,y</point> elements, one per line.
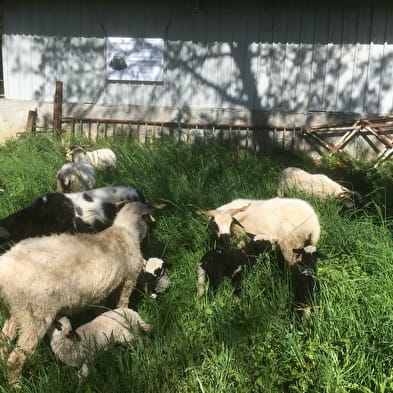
<point>88,211</point>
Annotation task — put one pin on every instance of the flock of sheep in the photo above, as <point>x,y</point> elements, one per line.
<point>81,246</point>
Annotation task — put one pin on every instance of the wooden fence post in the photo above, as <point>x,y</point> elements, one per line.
<point>57,108</point>
<point>31,121</point>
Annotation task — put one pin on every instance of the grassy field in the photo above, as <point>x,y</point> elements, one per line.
<point>227,343</point>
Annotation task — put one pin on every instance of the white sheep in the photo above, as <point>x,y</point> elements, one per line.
<point>291,222</point>
<point>100,158</point>
<point>316,184</point>
<point>62,274</point>
<point>75,177</point>
<point>78,348</point>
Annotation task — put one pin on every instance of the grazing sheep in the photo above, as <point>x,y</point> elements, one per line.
<point>62,274</point>
<point>304,278</point>
<point>292,222</point>
<point>153,280</point>
<point>316,184</point>
<point>78,348</point>
<point>224,262</point>
<point>88,211</point>
<point>100,158</point>
<point>75,177</point>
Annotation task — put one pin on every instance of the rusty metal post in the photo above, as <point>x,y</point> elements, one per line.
<point>57,108</point>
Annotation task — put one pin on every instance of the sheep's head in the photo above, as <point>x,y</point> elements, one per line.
<point>155,275</point>
<point>78,154</point>
<point>224,224</point>
<point>136,215</point>
<point>309,255</point>
<point>350,198</point>
<point>62,328</point>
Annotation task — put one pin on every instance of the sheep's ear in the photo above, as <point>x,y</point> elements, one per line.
<point>209,213</point>
<point>320,255</point>
<point>120,204</point>
<point>298,251</point>
<point>344,194</point>
<point>4,234</point>
<point>157,205</point>
<point>233,212</point>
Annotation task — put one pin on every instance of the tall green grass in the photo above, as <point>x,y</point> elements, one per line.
<point>227,343</point>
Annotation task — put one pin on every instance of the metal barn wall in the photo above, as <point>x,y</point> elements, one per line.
<point>295,56</point>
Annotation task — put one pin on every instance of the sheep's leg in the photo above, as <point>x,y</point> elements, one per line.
<point>31,333</point>
<point>8,334</point>
<point>201,280</point>
<point>125,293</point>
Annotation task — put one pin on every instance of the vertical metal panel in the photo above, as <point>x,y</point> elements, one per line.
<point>291,56</point>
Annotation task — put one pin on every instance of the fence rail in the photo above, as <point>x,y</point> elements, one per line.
<point>366,138</point>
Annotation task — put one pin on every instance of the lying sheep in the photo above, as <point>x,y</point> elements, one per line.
<point>292,222</point>
<point>224,262</point>
<point>100,158</point>
<point>88,211</point>
<point>316,184</point>
<point>75,177</point>
<point>304,278</point>
<point>78,348</point>
<point>62,274</point>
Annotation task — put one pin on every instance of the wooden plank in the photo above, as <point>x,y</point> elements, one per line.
<point>57,106</point>
<point>31,121</point>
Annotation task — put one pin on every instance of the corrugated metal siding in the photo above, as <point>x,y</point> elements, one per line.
<point>290,56</point>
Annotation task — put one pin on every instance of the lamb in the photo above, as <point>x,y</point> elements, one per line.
<point>62,274</point>
<point>223,262</point>
<point>153,280</point>
<point>316,184</point>
<point>88,211</point>
<point>78,348</point>
<point>304,278</point>
<point>292,222</point>
<point>100,158</point>
<point>75,177</point>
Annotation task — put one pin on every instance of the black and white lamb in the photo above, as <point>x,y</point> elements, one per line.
<point>230,262</point>
<point>304,279</point>
<point>153,281</point>
<point>88,211</point>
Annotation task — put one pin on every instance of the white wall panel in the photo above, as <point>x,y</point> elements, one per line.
<point>291,56</point>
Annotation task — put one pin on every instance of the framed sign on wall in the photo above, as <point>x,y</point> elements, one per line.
<point>135,59</point>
